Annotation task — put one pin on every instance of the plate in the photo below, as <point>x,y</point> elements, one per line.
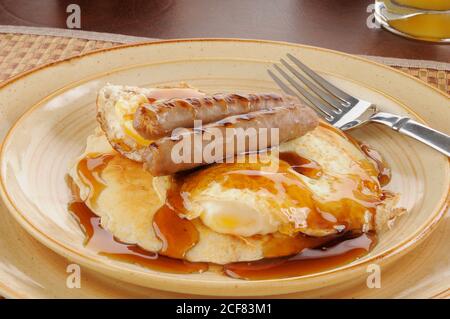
<point>58,101</point>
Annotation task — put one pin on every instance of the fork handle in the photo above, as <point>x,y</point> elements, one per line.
<point>420,132</point>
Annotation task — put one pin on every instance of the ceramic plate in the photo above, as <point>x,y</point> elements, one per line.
<point>58,101</point>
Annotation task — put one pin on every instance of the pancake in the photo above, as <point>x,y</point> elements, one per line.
<point>236,221</point>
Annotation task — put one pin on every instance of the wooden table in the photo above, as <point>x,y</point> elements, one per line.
<point>339,25</point>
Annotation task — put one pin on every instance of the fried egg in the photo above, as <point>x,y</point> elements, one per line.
<point>116,105</point>
<point>247,199</point>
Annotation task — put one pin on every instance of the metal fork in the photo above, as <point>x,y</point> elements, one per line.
<point>345,111</point>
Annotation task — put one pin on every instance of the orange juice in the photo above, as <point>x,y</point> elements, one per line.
<point>427,26</point>
<point>419,19</point>
<point>425,4</point>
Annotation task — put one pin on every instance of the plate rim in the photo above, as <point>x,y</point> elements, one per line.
<point>73,254</point>
<point>20,75</point>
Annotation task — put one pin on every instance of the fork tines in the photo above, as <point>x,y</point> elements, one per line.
<point>328,100</point>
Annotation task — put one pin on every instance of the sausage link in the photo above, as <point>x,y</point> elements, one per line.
<point>295,120</point>
<point>153,121</point>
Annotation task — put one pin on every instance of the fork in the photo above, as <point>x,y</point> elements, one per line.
<point>345,111</point>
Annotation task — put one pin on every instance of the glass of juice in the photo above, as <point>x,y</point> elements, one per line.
<point>427,20</point>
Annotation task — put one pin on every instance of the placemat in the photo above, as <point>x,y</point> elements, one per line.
<point>23,48</point>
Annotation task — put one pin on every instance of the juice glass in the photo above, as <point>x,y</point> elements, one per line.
<point>427,20</point>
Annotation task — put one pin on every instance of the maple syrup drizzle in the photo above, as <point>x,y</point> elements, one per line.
<point>385,174</point>
<point>177,234</point>
<point>336,253</point>
<point>89,170</point>
<point>283,245</point>
<point>302,165</point>
<point>104,243</point>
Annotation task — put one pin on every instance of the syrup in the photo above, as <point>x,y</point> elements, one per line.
<point>339,252</point>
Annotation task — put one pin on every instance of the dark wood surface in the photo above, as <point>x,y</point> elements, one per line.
<point>335,24</point>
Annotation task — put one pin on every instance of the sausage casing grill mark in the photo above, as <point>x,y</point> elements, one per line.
<point>153,121</point>
<point>292,121</point>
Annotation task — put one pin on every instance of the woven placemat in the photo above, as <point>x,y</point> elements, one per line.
<point>35,46</point>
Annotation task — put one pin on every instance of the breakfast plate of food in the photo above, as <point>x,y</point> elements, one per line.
<point>181,166</point>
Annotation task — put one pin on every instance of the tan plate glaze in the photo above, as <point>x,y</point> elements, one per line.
<point>59,104</point>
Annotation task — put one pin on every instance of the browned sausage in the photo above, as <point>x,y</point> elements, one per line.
<point>292,121</point>
<point>153,121</point>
